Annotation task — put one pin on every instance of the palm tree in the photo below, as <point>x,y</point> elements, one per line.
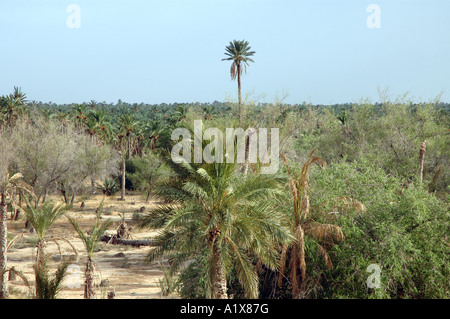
<point>79,111</point>
<point>46,287</point>
<point>238,52</point>
<point>90,243</point>
<point>127,126</point>
<point>303,224</point>
<point>7,188</point>
<point>11,105</point>
<point>97,123</point>
<point>42,219</point>
<point>153,130</point>
<point>214,210</point>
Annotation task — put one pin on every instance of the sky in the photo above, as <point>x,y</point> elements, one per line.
<point>167,51</point>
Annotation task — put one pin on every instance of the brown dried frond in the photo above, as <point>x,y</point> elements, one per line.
<point>345,202</point>
<point>325,232</point>
<point>305,206</point>
<point>326,258</point>
<point>300,235</point>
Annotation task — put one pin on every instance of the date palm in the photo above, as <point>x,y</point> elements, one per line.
<point>79,112</point>
<point>90,244</point>
<point>239,53</point>
<point>42,219</point>
<point>46,286</point>
<point>97,123</point>
<point>12,105</point>
<point>127,126</point>
<point>304,224</point>
<point>214,210</point>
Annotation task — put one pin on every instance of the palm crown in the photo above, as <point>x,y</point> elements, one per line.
<point>238,52</point>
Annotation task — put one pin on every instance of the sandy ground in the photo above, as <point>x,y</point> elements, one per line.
<point>122,268</point>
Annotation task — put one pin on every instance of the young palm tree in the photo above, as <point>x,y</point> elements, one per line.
<point>7,187</point>
<point>90,243</point>
<point>46,287</point>
<point>238,52</point>
<point>42,219</point>
<point>217,211</point>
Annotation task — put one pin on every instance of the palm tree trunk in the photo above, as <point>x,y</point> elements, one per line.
<point>122,195</point>
<point>40,254</point>
<point>421,158</point>
<point>239,92</point>
<point>129,146</point>
<point>220,281</point>
<point>89,292</point>
<point>3,245</point>
<point>40,261</point>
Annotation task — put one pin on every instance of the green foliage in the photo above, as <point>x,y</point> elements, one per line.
<point>404,231</point>
<point>227,215</point>
<point>147,171</point>
<point>98,229</point>
<point>47,287</point>
<point>191,281</point>
<point>109,187</point>
<point>44,217</point>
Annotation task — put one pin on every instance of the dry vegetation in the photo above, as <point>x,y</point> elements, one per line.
<point>122,268</point>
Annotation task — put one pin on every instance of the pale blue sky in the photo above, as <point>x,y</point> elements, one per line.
<point>318,51</point>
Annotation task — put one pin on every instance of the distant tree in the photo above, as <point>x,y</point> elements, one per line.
<point>238,52</point>
<point>11,106</point>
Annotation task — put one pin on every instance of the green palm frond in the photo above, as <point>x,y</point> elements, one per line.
<point>238,52</point>
<point>222,210</point>
<point>43,217</point>
<point>47,287</point>
<point>98,229</point>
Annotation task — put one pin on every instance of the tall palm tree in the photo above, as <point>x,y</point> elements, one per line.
<point>90,244</point>
<point>127,126</point>
<point>214,210</point>
<point>238,52</point>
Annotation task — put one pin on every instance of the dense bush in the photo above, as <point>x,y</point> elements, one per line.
<point>404,230</point>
